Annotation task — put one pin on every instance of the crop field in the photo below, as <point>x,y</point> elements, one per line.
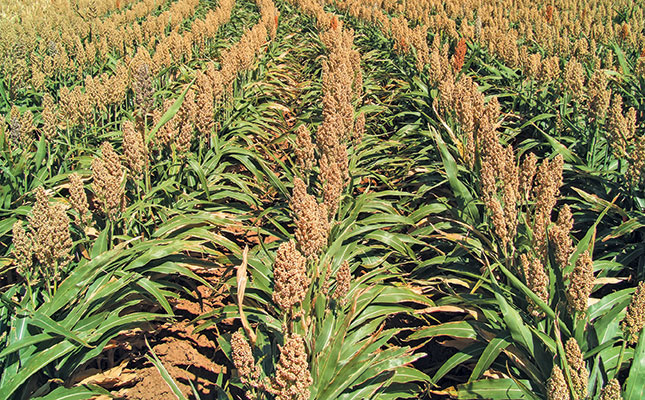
<point>322,199</point>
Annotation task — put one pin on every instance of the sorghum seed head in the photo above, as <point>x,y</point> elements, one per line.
<point>499,221</point>
<point>142,86</point>
<point>304,148</point>
<point>182,141</point>
<point>49,233</point>
<point>108,175</point>
<point>556,386</point>
<point>312,226</point>
<point>343,282</point>
<point>621,128</point>
<point>289,276</point>
<point>27,129</point>
<point>78,198</point>
<point>599,95</point>
<point>547,190</point>
<point>22,249</point>
<point>243,358</point>
<point>561,238</point>
<point>49,116</point>
<point>580,284</point>
<point>611,391</point>
<point>135,151</point>
<point>292,376</point>
<point>574,78</point>
<point>333,185</point>
<point>537,280</point>
<point>634,319</point>
<point>577,368</point>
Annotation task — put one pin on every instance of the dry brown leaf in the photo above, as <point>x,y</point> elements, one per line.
<point>110,378</point>
<point>450,309</point>
<point>609,281</point>
<point>495,374</point>
<point>241,288</point>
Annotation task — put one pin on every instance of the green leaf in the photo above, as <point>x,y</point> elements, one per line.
<point>26,342</point>
<point>50,326</point>
<point>167,116</point>
<point>561,149</point>
<point>586,243</point>
<point>40,152</point>
<point>464,197</point>
<point>153,288</point>
<point>488,356</point>
<point>473,351</point>
<point>519,331</point>
<point>459,329</point>
<point>609,302</point>
<point>409,374</point>
<point>621,59</point>
<point>530,294</point>
<point>34,364</point>
<point>491,389</point>
<point>200,174</point>
<point>100,244</point>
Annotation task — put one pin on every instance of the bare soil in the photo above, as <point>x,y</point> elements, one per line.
<point>189,357</point>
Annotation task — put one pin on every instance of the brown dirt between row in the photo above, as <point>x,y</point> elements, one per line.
<point>124,370</point>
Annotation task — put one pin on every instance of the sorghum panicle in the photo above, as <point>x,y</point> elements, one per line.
<point>527,173</point>
<point>243,358</point>
<point>556,386</point>
<point>292,376</point>
<point>580,284</point>
<point>547,190</point>
<point>460,54</point>
<point>510,194</point>
<point>599,95</point>
<point>49,116</point>
<point>28,129</point>
<point>333,185</point>
<point>304,149</point>
<point>182,141</point>
<point>577,368</point>
<point>634,319</point>
<point>143,90</point>
<point>636,172</point>
<point>289,276</point>
<point>204,117</point>
<point>133,146</point>
<point>78,199</point>
<point>49,233</point>
<point>108,176</point>
<point>611,391</point>
<point>22,249</point>
<point>537,280</point>
<point>312,226</point>
<point>561,237</point>
<point>499,220</point>
<point>343,282</point>
<point>620,128</point>
<point>574,78</point>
